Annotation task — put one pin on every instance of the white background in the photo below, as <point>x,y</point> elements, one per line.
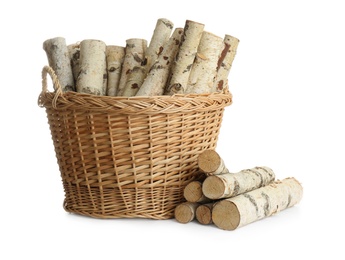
<point>287,81</point>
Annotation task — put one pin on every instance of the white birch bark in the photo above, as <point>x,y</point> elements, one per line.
<point>74,54</point>
<point>157,77</point>
<point>105,77</point>
<point>92,67</point>
<point>231,184</point>
<point>210,163</point>
<point>160,36</point>
<point>232,213</point>
<point>133,69</point>
<point>225,61</point>
<point>59,60</point>
<point>185,58</point>
<point>115,56</point>
<point>203,74</point>
<point>185,212</point>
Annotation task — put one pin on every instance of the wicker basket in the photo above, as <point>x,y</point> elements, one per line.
<point>130,157</point>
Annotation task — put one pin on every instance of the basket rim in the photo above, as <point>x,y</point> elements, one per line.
<point>182,103</point>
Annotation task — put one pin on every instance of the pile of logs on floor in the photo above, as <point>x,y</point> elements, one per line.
<point>176,61</point>
<point>232,200</point>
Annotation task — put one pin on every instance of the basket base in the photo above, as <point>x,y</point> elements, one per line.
<point>155,203</point>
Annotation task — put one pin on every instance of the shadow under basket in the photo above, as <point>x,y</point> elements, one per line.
<point>129,157</point>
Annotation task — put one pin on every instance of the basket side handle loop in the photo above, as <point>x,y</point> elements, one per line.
<point>56,84</point>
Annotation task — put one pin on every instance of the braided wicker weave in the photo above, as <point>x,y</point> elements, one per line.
<point>123,157</point>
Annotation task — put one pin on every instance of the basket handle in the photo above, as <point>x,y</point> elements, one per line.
<point>56,84</point>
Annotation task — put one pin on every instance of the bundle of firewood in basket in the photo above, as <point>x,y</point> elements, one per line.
<point>176,61</point>
<point>232,200</point>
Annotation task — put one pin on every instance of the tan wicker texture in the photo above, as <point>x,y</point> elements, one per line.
<point>129,157</point>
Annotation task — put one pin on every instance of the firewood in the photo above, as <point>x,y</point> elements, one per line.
<point>232,213</point>
<point>210,163</point>
<point>133,69</point>
<point>185,58</point>
<point>225,61</point>
<point>92,67</point>
<point>74,55</point>
<point>203,213</point>
<point>58,59</point>
<point>204,70</point>
<point>160,36</point>
<point>193,192</point>
<point>231,184</point>
<point>185,212</point>
<point>115,56</point>
<point>157,77</point>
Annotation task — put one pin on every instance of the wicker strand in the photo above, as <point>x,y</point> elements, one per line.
<point>56,85</point>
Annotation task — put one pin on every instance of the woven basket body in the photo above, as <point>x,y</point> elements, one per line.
<point>129,157</point>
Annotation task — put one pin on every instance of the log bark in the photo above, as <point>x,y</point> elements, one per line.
<point>185,58</point>
<point>203,213</point>
<point>210,163</point>
<point>232,213</point>
<point>204,70</point>
<point>92,74</point>
<point>185,212</point>
<point>157,77</point>
<point>115,56</point>
<point>74,54</point>
<point>231,184</point>
<point>193,192</point>
<point>225,61</point>
<point>160,36</point>
<point>133,69</point>
<point>58,59</point>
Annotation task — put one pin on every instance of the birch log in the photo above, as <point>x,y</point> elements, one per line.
<point>185,57</point>
<point>92,67</point>
<point>193,192</point>
<point>225,61</point>
<point>204,70</point>
<point>115,56</point>
<point>74,54</point>
<point>133,69</point>
<point>203,213</point>
<point>59,60</point>
<point>160,36</point>
<point>185,212</point>
<point>157,77</point>
<point>210,163</point>
<point>246,208</point>
<point>231,184</point>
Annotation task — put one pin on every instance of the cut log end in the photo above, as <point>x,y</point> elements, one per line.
<point>185,212</point>
<point>195,23</point>
<point>167,22</point>
<point>209,161</point>
<point>203,214</point>
<point>226,215</point>
<point>213,187</point>
<point>193,191</point>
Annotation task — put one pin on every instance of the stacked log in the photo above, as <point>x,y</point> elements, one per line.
<point>232,200</point>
